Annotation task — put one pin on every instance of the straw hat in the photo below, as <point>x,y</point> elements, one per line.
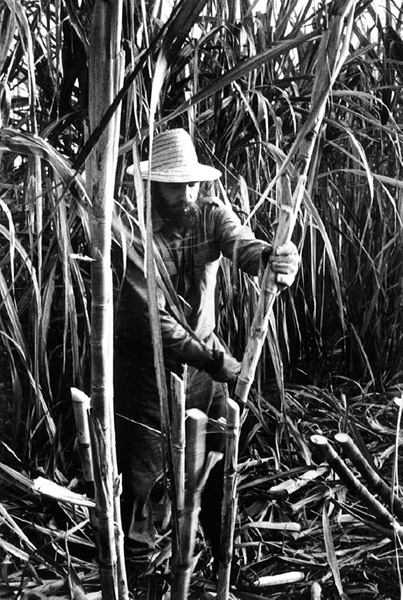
<point>174,160</point>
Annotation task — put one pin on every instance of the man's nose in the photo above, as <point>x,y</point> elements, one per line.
<point>185,192</point>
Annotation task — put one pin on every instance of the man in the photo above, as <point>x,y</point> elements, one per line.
<point>191,232</point>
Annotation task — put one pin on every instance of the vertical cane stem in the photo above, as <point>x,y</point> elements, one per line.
<point>178,462</point>
<point>105,79</point>
<point>81,405</point>
<point>196,422</point>
<point>229,508</point>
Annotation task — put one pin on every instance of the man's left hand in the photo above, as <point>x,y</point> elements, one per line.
<point>284,261</point>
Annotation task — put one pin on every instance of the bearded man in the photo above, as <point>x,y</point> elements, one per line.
<point>191,232</point>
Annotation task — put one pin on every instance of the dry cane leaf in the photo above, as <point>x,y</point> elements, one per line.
<point>331,553</point>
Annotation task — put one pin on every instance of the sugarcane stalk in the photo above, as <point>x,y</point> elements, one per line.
<point>268,294</point>
<point>375,482</point>
<point>178,398</point>
<point>333,50</point>
<point>284,527</point>
<point>105,79</point>
<point>123,590</point>
<point>353,484</point>
<point>332,53</point>
<point>81,405</point>
<point>196,423</point>
<point>104,508</point>
<point>198,468</point>
<point>316,591</point>
<point>229,505</point>
<point>60,493</point>
<point>281,579</point>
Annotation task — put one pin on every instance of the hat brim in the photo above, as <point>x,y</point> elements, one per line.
<point>197,172</point>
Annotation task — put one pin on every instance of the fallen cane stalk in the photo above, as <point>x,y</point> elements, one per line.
<point>316,591</point>
<point>281,579</point>
<point>354,485</point>
<point>60,493</point>
<point>376,483</point>
<point>229,506</point>
<point>287,527</point>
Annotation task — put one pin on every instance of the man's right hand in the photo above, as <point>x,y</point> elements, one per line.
<point>223,367</point>
<point>229,371</point>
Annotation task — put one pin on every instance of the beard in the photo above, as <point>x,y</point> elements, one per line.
<point>183,216</point>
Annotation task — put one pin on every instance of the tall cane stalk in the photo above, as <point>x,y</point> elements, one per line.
<point>178,446</point>
<point>332,53</point>
<point>198,468</point>
<point>196,424</point>
<point>292,184</point>
<point>229,506</point>
<point>105,78</point>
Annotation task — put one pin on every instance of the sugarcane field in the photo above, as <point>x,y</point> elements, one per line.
<point>201,286</point>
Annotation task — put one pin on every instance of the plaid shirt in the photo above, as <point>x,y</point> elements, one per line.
<point>190,263</point>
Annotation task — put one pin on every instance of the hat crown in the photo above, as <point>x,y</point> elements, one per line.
<point>174,160</point>
<point>173,150</point>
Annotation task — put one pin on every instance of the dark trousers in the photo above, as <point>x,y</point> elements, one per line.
<point>139,448</point>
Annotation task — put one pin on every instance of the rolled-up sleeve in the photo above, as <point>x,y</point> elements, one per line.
<point>236,241</point>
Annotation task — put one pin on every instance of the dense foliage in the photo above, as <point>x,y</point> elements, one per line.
<point>241,82</point>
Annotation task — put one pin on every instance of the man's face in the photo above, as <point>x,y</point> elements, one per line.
<point>176,202</point>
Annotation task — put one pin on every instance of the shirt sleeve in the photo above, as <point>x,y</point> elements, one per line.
<point>236,241</point>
